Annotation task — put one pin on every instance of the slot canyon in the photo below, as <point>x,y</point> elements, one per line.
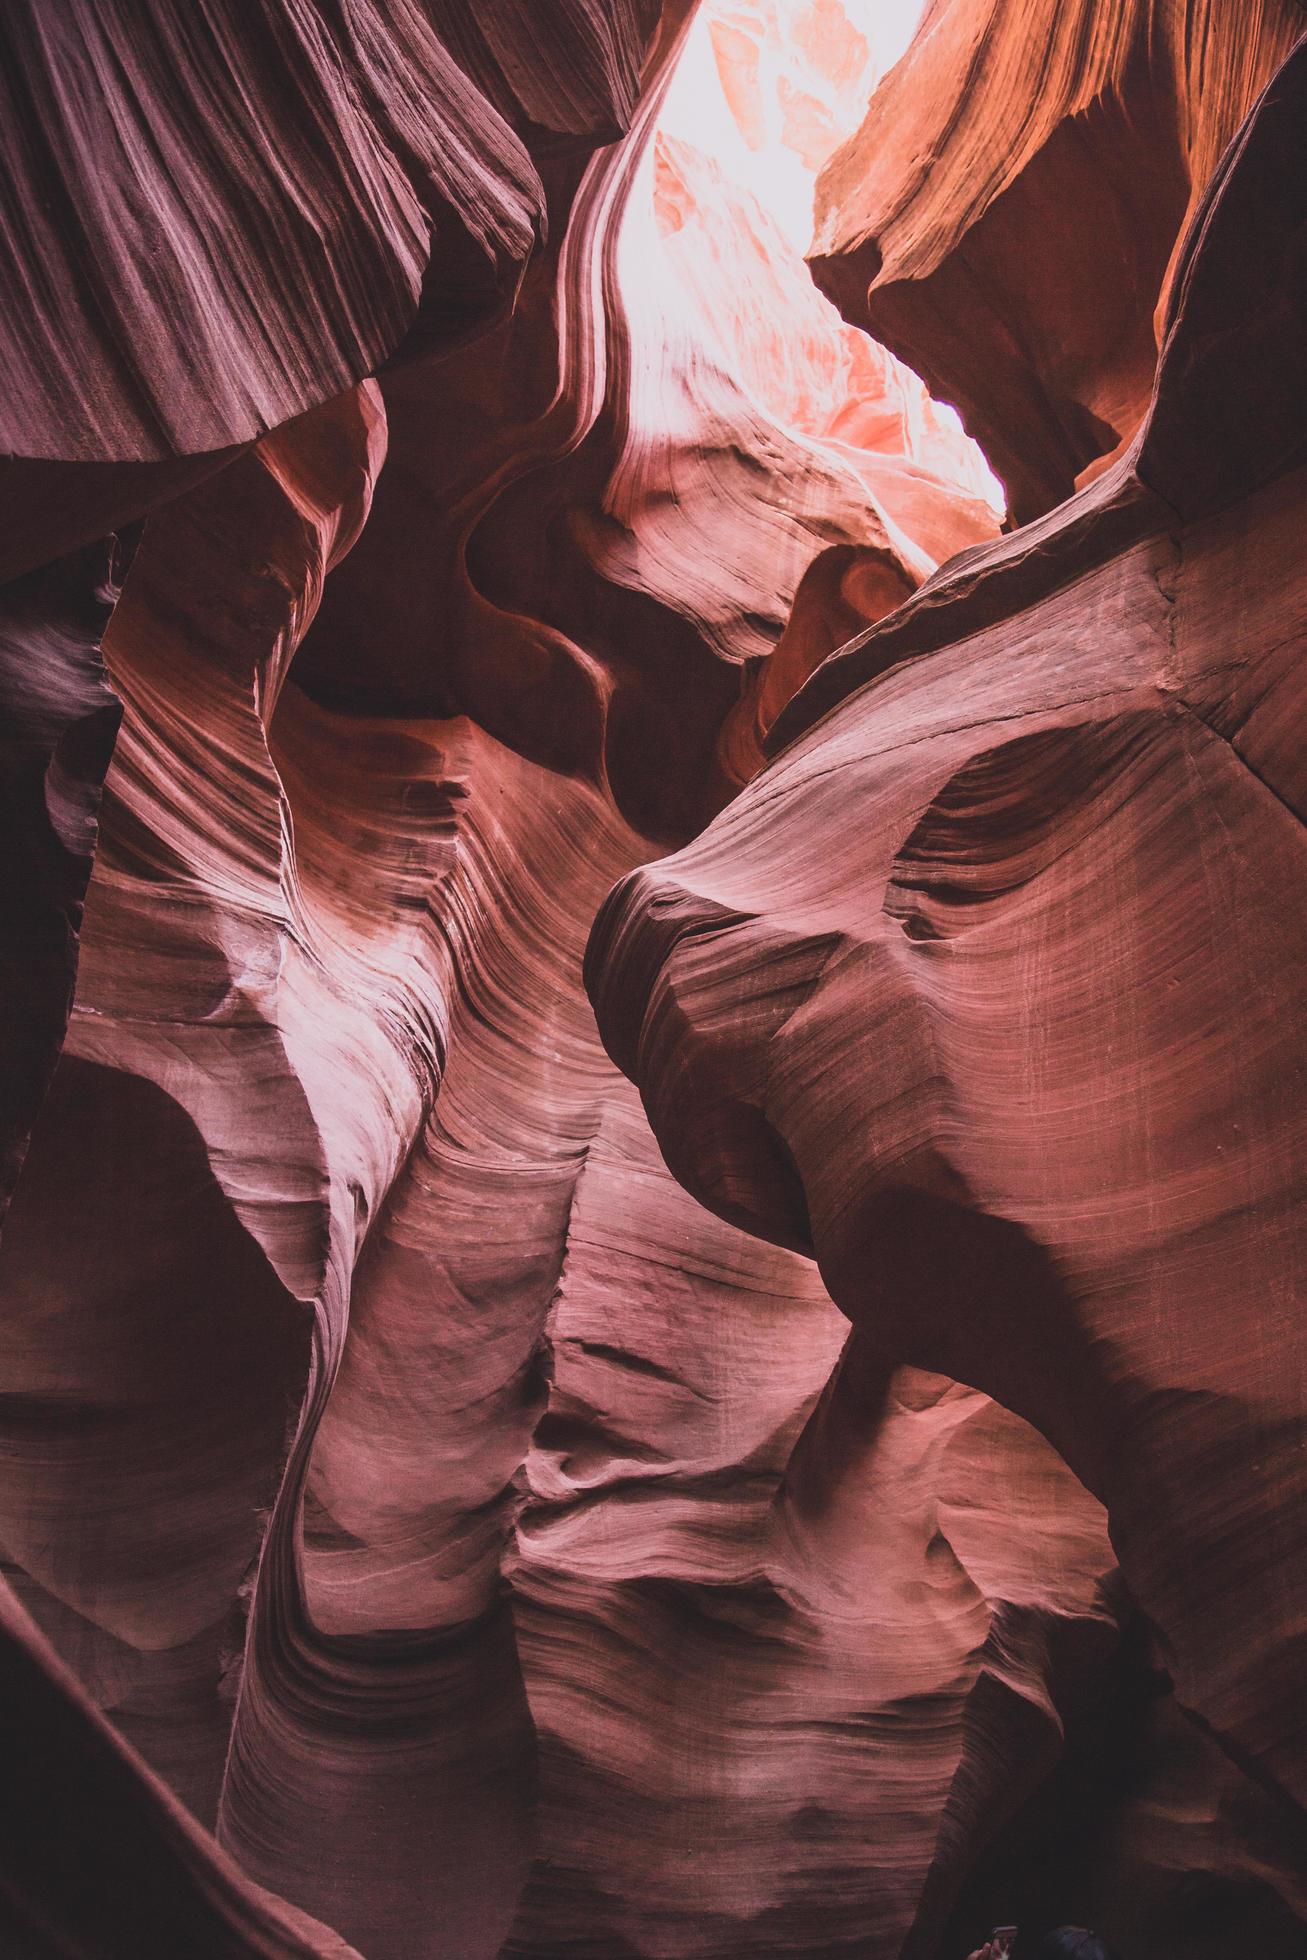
<point>653,1071</point>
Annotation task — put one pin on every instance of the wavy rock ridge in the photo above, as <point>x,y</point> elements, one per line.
<point>1007,217</point>
<point>1015,1058</point>
<point>453,1505</point>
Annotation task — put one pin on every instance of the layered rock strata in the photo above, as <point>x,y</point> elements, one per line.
<point>429,1533</point>
<point>1015,1054</point>
<point>1007,217</point>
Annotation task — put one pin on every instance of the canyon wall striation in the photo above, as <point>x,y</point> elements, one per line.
<point>810,1464</point>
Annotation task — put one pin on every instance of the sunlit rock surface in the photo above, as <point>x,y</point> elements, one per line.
<point>430,1529</point>
<point>1007,215</point>
<point>986,992</point>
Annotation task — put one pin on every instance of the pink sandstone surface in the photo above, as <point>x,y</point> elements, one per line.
<point>808,1462</point>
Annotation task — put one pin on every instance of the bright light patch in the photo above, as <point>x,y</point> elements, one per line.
<point>763,93</point>
<point>771,87</point>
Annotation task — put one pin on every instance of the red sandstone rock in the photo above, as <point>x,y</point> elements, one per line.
<point>60,719</point>
<point>1014,1052</point>
<point>211,227</point>
<point>495,1550</point>
<point>97,1854</point>
<point>400,907</point>
<point>617,507</point>
<point>1006,217</point>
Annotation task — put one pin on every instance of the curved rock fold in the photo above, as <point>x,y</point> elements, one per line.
<point>802,1457</point>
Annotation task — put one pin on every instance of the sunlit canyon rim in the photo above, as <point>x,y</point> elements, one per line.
<point>653,1089</point>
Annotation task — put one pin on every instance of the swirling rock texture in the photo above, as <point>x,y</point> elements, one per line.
<point>429,1531</point>
<point>1015,1052</point>
<point>1007,216</point>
